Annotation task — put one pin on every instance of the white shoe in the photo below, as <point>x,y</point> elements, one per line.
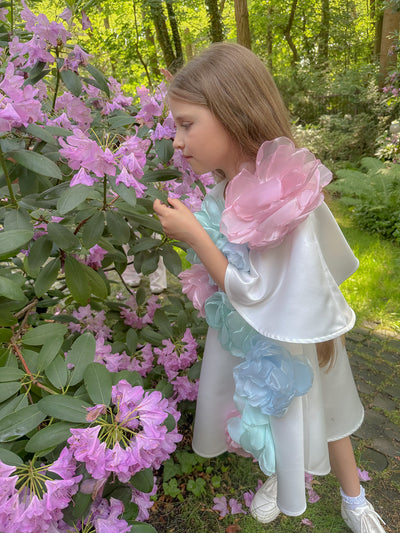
<point>264,507</point>
<point>362,519</point>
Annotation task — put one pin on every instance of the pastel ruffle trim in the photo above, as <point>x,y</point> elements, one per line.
<point>262,208</point>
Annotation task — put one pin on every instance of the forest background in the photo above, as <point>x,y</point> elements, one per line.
<point>82,160</point>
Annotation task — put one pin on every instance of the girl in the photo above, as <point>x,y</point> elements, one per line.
<point>275,372</point>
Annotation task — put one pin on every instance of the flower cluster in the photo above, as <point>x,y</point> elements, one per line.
<point>176,357</point>
<point>129,436</point>
<point>33,496</point>
<point>139,316</point>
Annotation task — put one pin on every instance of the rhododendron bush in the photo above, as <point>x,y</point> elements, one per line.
<point>94,375</point>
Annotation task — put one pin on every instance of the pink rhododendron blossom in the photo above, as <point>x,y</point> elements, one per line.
<point>81,151</point>
<point>143,501</point>
<point>363,475</point>
<point>77,111</point>
<point>221,506</point>
<point>96,256</point>
<point>131,154</point>
<point>28,509</point>
<point>177,356</point>
<point>162,132</point>
<point>142,440</point>
<point>104,515</point>
<point>149,107</point>
<point>263,206</point>
<point>312,495</point>
<point>85,21</point>
<point>76,58</point>
<point>236,507</point>
<point>83,178</point>
<point>185,389</point>
<point>130,181</point>
<point>248,498</point>
<point>307,522</point>
<point>198,286</point>
<point>52,32</point>
<point>3,13</point>
<point>90,320</point>
<point>138,317</point>
<point>19,106</point>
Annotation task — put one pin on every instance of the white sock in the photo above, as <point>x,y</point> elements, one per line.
<point>354,501</point>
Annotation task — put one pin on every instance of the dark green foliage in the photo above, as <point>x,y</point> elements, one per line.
<point>373,194</point>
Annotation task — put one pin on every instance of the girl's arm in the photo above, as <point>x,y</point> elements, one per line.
<point>179,223</point>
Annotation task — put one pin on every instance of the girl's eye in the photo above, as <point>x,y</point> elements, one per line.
<point>186,125</point>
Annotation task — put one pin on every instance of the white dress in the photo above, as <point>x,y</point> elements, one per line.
<point>291,295</point>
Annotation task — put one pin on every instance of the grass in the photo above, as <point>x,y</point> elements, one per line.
<point>374,290</point>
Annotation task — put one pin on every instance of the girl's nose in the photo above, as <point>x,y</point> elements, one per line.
<point>178,143</point>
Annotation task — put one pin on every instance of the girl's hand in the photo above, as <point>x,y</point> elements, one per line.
<point>178,221</point>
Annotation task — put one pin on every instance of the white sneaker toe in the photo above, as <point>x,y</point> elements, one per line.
<point>362,519</point>
<point>264,507</point>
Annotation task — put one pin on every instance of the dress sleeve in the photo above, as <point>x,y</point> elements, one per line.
<point>291,292</point>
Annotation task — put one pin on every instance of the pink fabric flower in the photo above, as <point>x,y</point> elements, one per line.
<point>198,286</point>
<point>262,208</point>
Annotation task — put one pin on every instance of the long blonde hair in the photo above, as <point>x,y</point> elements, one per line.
<point>234,84</point>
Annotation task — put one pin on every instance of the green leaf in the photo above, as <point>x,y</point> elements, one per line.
<point>148,334</point>
<point>99,77</point>
<point>20,423</point>
<point>164,150</point>
<point>166,174</point>
<point>98,382</point>
<point>72,197</point>
<point>49,437</point>
<point>97,284</point>
<point>41,334</point>
<point>162,322</point>
<point>131,340</point>
<point>13,240</point>
<point>42,133</point>
<point>36,162</point>
<point>118,227</point>
<point>17,219</point>
<point>194,370</point>
<point>172,260</point>
<point>49,351</point>
<point>147,221</point>
<point>10,458</point>
<point>121,120</point>
<point>81,354</point>
<point>63,237</point>
<point>145,243</point>
<point>72,81</point>
<point>11,290</point>
<point>5,335</point>
<point>143,480</point>
<point>64,408</point>
<point>126,193</point>
<point>47,276</point>
<point>8,373</point>
<point>141,527</point>
<point>57,372</point>
<point>77,280</point>
<point>14,405</point>
<point>166,388</point>
<point>8,389</point>
<point>93,229</point>
<point>132,377</point>
<point>39,252</point>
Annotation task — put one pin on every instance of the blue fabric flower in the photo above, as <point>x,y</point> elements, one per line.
<point>270,377</point>
<point>234,333</point>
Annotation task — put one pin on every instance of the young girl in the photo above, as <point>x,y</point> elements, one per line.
<point>275,371</point>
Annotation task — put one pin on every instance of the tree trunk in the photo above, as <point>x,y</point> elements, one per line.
<point>323,38</point>
<point>388,55</point>
<point>157,14</point>
<point>242,23</point>
<point>216,31</point>
<point>175,35</point>
<point>288,35</point>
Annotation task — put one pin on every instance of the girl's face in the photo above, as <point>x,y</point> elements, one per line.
<point>204,142</point>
